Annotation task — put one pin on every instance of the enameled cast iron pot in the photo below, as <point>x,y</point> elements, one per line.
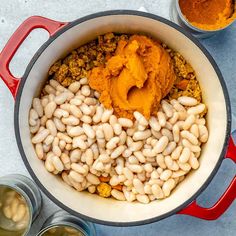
<point>66,36</point>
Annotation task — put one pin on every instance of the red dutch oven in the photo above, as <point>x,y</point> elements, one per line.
<point>66,36</point>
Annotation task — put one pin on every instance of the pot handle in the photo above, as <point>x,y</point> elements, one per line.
<point>16,40</point>
<point>225,200</point>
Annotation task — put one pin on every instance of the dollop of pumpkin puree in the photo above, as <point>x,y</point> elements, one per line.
<point>136,78</point>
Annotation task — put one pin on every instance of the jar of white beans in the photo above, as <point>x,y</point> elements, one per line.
<point>62,223</point>
<point>20,204</point>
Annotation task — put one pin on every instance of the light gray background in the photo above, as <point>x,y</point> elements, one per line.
<point>223,49</point>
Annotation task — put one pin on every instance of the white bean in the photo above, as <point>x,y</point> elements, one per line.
<point>49,109</point>
<point>85,90</point>
<point>93,179</point>
<point>106,115</point>
<point>76,176</point>
<point>189,136</point>
<point>108,131</point>
<point>112,143</point>
<point>161,118</point>
<point>194,130</point>
<point>117,152</point>
<point>57,163</point>
<point>98,115</point>
<point>39,150</point>
<point>174,118</point>
<point>197,109</point>
<point>193,161</point>
<point>75,111</point>
<point>189,122</point>
<point>125,122</point>
<point>86,119</point>
<point>88,130</point>
<point>157,191</point>
<point>140,118</point>
<point>74,87</point>
<point>167,133</point>
<point>117,129</point>
<point>167,108</point>
<point>117,195</point>
<point>161,144</point>
<point>138,186</point>
<point>142,198</point>
<point>71,120</point>
<point>135,168</point>
<point>141,135</point>
<point>203,133</point>
<point>165,175</point>
<point>185,155</point>
<point>38,106</point>
<point>161,161</point>
<point>78,142</point>
<point>169,149</point>
<point>61,98</point>
<point>168,186</point>
<point>193,148</point>
<point>51,127</point>
<point>40,136</point>
<point>187,101</point>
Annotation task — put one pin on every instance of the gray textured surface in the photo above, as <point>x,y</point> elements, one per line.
<point>223,49</point>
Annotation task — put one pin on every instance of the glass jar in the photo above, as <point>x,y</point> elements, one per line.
<point>62,223</point>
<point>20,204</point>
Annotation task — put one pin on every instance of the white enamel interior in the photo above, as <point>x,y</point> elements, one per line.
<point>108,209</point>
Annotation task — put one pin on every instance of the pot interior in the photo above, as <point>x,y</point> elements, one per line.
<point>110,210</point>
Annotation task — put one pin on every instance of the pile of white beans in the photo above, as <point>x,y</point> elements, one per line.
<point>80,140</point>
<point>14,208</point>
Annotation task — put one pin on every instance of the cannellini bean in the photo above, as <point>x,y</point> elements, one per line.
<point>108,131</point>
<point>178,173</point>
<point>76,176</point>
<point>135,168</point>
<point>128,173</point>
<point>165,175</point>
<point>176,132</point>
<point>78,168</point>
<point>86,119</point>
<point>117,195</point>
<point>193,148</point>
<point>154,124</point>
<point>125,122</point>
<point>200,121</point>
<point>53,83</point>
<point>148,168</point>
<point>88,130</point>
<point>83,81</point>
<point>161,144</point>
<point>140,118</point>
<point>85,90</point>
<point>197,109</point>
<point>138,186</point>
<point>142,198</point>
<point>185,155</point>
<point>127,153</point>
<point>176,153</point>
<point>57,163</point>
<point>203,133</point>
<point>60,113</point>
<point>187,101</point>
<point>140,156</point>
<point>39,150</point>
<point>49,89</point>
<point>64,137</point>
<point>167,108</point>
<point>75,155</point>
<point>59,125</point>
<point>169,149</point>
<point>75,111</point>
<point>189,122</point>
<point>40,136</point>
<point>112,143</point>
<point>193,161</point>
<point>161,118</point>
<point>117,129</point>
<point>76,131</point>
<point>157,191</point>
<point>184,166</point>
<point>74,87</point>
<point>51,127</point>
<point>168,186</point>
<point>65,178</point>
<point>106,115</point>
<point>174,118</point>
<point>167,133</point>
<point>130,197</point>
<point>92,189</point>
<point>61,98</point>
<point>148,152</point>
<point>141,135</point>
<point>189,136</point>
<point>49,109</point>
<point>78,142</point>
<point>98,115</point>
<point>85,109</point>
<point>76,101</point>
<point>194,130</point>
<point>66,161</point>
<point>161,161</point>
<point>93,179</point>
<point>117,152</point>
<point>130,131</point>
<point>71,120</point>
<point>123,137</point>
<point>38,106</point>
<point>136,146</point>
<point>49,139</point>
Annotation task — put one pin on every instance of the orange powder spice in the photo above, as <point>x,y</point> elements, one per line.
<point>209,14</point>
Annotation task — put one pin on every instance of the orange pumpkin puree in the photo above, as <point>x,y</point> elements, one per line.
<point>136,78</point>
<point>209,14</point>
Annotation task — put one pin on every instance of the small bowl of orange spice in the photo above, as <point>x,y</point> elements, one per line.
<point>204,18</point>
